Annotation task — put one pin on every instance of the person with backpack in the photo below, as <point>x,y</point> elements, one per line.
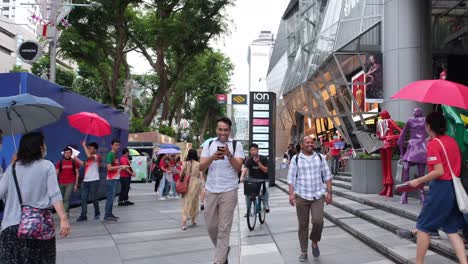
<point>90,184</point>
<point>307,176</point>
<point>223,158</point>
<point>157,171</point>
<point>68,174</point>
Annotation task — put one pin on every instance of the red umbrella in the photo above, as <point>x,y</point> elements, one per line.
<point>90,124</point>
<point>435,92</point>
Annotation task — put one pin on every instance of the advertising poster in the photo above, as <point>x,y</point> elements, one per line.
<point>140,167</point>
<point>359,91</point>
<point>374,79</point>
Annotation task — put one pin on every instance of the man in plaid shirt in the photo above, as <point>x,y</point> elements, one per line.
<point>309,180</point>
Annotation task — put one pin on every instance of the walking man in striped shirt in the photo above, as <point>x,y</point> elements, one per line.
<point>310,183</point>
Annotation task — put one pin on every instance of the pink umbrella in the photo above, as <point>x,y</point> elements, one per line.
<point>90,124</point>
<point>435,92</point>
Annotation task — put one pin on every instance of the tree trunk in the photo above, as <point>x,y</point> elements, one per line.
<point>166,106</point>
<point>118,54</point>
<point>172,115</point>
<point>205,125</point>
<point>162,89</point>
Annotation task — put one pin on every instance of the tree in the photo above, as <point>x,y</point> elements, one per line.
<point>64,77</point>
<point>206,76</point>
<point>17,68</point>
<point>170,34</point>
<point>98,39</point>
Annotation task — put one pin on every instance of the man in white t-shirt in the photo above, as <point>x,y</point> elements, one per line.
<point>90,185</point>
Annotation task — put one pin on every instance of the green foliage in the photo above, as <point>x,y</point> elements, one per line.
<point>63,77</point>
<point>136,126</point>
<point>17,68</point>
<point>167,130</point>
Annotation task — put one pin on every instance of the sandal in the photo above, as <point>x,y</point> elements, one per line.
<point>184,228</point>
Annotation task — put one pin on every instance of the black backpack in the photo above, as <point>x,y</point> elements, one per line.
<point>234,145</point>
<point>157,172</point>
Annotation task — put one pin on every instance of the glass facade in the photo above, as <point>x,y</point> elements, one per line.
<point>329,44</point>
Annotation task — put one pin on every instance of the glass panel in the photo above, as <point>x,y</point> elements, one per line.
<point>373,8</point>
<point>368,22</point>
<point>352,9</point>
<point>347,31</point>
<point>371,40</point>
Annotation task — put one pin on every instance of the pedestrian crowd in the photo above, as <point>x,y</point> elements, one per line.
<point>32,185</point>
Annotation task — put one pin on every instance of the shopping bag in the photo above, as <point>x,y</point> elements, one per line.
<point>460,193</point>
<point>399,171</point>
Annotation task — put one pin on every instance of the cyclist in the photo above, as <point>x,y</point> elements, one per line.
<point>257,165</point>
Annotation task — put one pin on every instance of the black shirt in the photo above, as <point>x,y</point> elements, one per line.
<point>254,169</point>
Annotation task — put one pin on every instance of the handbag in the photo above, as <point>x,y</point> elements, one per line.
<point>370,142</point>
<point>35,223</point>
<point>399,171</point>
<point>460,193</point>
<point>183,182</point>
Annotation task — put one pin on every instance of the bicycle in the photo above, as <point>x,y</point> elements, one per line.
<point>256,204</point>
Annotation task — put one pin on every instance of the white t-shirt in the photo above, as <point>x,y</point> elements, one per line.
<point>92,171</point>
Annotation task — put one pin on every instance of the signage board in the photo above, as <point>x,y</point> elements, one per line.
<point>260,129</point>
<point>222,98</point>
<point>262,114</point>
<point>140,167</point>
<point>239,99</point>
<point>29,51</point>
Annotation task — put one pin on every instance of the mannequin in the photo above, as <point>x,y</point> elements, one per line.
<point>415,153</point>
<point>385,131</point>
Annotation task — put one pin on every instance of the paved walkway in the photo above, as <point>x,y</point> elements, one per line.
<point>149,232</point>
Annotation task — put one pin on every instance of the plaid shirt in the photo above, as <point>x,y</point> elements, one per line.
<point>309,183</point>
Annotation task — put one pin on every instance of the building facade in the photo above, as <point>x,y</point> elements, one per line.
<point>259,55</point>
<point>11,36</point>
<point>336,63</point>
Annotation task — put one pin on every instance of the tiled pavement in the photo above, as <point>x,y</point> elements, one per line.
<point>149,232</point>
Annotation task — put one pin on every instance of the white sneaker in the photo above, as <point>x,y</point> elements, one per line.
<point>162,198</point>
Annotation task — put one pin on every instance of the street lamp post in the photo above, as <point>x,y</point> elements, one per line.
<point>55,6</point>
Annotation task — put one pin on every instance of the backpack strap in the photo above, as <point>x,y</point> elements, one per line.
<point>61,166</point>
<point>297,167</point>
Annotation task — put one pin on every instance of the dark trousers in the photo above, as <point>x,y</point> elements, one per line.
<point>157,180</point>
<point>124,188</point>
<point>335,164</point>
<point>89,193</point>
<point>305,209</point>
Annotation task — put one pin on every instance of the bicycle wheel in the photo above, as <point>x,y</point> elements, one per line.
<point>261,211</point>
<point>251,215</point>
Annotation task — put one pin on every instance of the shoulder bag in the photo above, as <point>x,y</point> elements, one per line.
<point>36,223</point>
<point>183,183</point>
<point>460,193</point>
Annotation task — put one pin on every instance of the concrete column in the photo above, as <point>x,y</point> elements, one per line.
<point>407,54</point>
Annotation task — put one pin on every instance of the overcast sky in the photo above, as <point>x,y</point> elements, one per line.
<point>248,17</point>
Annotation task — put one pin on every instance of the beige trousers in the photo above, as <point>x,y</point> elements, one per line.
<point>219,212</point>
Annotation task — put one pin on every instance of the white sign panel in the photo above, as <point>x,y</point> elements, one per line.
<point>263,152</point>
<point>261,114</point>
<point>263,144</point>
<point>261,129</point>
<point>260,137</point>
<point>261,107</point>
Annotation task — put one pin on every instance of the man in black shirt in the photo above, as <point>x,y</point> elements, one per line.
<point>257,165</point>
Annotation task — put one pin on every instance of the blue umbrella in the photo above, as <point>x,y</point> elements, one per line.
<point>168,151</point>
<point>169,146</point>
<point>24,113</point>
